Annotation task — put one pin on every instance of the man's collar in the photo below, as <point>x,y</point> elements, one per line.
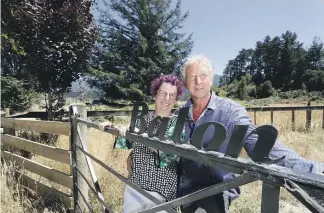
<point>211,104</point>
<point>212,101</point>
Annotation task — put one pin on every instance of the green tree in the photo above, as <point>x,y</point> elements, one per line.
<point>241,90</point>
<point>281,60</point>
<point>47,43</point>
<point>14,94</point>
<point>17,21</point>
<point>315,55</point>
<point>290,55</point>
<point>138,41</point>
<point>59,48</point>
<point>314,80</point>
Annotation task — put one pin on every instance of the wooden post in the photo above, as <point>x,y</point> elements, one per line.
<point>293,120</point>
<point>7,131</point>
<point>78,158</point>
<point>308,117</point>
<point>255,118</point>
<point>323,120</point>
<point>271,114</point>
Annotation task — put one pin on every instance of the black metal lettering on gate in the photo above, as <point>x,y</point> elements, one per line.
<point>267,134</point>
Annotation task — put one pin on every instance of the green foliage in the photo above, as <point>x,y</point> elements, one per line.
<point>241,90</point>
<point>265,90</point>
<point>14,94</point>
<point>138,41</point>
<point>314,80</point>
<point>48,43</point>
<point>282,60</point>
<point>251,91</point>
<point>219,91</point>
<point>292,94</point>
<point>316,95</point>
<point>231,88</point>
<point>16,19</point>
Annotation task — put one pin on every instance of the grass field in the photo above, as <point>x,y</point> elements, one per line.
<point>309,144</point>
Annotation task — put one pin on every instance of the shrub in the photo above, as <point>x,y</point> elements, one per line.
<point>252,91</point>
<point>241,90</point>
<point>265,90</point>
<point>219,91</point>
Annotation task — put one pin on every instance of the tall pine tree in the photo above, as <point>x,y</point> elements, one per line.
<point>138,41</point>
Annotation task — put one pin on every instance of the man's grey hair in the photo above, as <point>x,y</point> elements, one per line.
<point>204,65</point>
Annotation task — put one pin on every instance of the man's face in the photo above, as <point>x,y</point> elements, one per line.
<point>197,81</point>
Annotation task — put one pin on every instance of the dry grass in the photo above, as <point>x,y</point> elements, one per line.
<point>17,199</point>
<point>308,144</point>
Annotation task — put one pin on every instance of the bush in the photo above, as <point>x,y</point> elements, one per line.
<point>232,88</point>
<point>265,90</point>
<point>241,90</point>
<point>219,91</point>
<point>314,80</point>
<point>251,91</point>
<point>316,95</point>
<point>292,94</point>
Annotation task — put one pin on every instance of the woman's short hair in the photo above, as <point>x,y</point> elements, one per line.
<point>171,79</point>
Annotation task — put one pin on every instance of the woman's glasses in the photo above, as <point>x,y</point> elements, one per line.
<point>163,94</point>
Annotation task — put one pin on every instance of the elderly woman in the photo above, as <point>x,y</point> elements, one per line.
<point>153,170</point>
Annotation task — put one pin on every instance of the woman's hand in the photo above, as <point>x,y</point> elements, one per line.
<point>122,130</point>
<point>107,124</point>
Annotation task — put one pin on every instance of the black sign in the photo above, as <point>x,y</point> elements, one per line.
<point>266,134</point>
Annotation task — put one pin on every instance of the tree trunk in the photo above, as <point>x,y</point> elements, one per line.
<point>49,138</point>
<point>50,106</point>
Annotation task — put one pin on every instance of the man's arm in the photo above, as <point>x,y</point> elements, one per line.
<point>292,160</point>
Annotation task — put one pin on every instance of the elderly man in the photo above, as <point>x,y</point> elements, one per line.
<point>205,106</point>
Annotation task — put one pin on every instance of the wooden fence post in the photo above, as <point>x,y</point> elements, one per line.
<point>308,117</point>
<point>293,120</point>
<point>323,120</point>
<point>7,131</point>
<point>271,114</point>
<point>80,193</point>
<point>255,122</point>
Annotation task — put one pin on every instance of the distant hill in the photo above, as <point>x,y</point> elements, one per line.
<point>82,85</point>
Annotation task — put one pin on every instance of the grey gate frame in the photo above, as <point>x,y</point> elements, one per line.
<point>307,187</point>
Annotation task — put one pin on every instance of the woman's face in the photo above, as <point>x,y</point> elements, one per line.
<point>166,98</point>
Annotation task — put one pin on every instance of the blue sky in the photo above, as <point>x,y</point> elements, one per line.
<point>222,27</point>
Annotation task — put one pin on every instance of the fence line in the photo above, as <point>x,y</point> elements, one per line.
<point>9,141</point>
<point>113,113</point>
